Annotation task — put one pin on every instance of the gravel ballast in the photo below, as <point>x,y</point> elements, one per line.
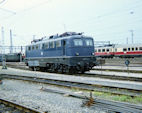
<point>29,94</point>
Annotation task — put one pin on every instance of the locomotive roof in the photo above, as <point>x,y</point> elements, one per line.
<point>56,39</point>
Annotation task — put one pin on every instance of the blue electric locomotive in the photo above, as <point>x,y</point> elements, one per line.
<point>67,53</point>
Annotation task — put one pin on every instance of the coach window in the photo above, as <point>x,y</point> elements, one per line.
<point>89,42</point>
<point>51,44</point>
<point>128,49</point>
<point>78,42</point>
<point>103,50</point>
<point>58,43</point>
<point>140,48</point>
<point>132,49</point>
<point>29,48</point>
<point>99,50</point>
<point>115,50</point>
<point>107,50</point>
<point>124,49</point>
<point>136,49</point>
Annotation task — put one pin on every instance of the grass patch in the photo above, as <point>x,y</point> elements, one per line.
<point>121,98</point>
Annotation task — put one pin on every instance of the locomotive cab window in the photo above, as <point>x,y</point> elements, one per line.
<point>89,42</point>
<point>78,42</point>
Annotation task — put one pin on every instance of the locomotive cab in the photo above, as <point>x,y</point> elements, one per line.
<point>80,46</point>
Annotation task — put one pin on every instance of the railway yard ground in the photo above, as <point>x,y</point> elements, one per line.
<point>105,89</point>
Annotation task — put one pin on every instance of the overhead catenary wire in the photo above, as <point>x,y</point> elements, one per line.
<point>108,14</point>
<point>24,10</point>
<point>90,22</point>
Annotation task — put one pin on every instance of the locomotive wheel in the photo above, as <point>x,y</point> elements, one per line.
<point>31,68</point>
<point>82,71</point>
<point>42,69</point>
<point>71,70</point>
<point>60,68</point>
<point>53,69</point>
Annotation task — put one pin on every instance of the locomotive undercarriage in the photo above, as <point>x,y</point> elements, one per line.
<point>64,65</point>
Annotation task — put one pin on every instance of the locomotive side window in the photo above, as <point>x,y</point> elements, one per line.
<point>78,42</point>
<point>46,45</point>
<point>32,47</point>
<point>124,49</point>
<point>51,44</point>
<point>29,48</point>
<point>140,48</point>
<point>128,49</point>
<point>58,43</point>
<point>95,50</point>
<point>37,47</point>
<point>89,42</point>
<point>43,46</point>
<point>115,50</point>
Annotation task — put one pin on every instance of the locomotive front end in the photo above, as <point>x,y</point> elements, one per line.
<point>82,50</point>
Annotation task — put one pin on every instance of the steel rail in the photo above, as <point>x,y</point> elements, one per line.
<point>113,77</point>
<point>107,105</point>
<point>118,70</point>
<point>78,85</point>
<point>19,106</point>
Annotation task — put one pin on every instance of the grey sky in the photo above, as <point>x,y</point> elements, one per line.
<point>105,20</point>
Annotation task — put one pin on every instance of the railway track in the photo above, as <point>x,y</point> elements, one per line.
<point>118,70</point>
<point>11,107</point>
<point>109,106</point>
<point>88,74</point>
<point>79,85</point>
<point>91,102</point>
<point>113,77</point>
<point>23,66</point>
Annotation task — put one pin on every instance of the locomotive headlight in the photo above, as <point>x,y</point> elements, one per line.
<point>79,63</point>
<point>77,54</point>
